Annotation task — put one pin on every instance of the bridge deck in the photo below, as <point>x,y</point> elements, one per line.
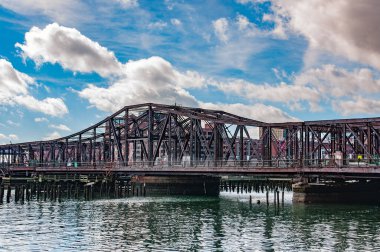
<point>270,171</point>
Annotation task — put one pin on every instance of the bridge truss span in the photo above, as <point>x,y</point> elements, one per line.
<point>157,135</point>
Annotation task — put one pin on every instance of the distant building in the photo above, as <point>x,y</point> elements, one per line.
<point>278,133</point>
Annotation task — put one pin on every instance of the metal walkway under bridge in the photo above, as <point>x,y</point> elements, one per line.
<point>162,139</point>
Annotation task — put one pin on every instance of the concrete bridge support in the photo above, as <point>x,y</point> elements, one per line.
<point>367,192</point>
<point>177,185</point>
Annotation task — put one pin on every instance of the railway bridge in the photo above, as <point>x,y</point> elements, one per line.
<point>192,148</point>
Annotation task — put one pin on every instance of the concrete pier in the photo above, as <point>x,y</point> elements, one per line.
<point>344,192</point>
<point>176,185</point>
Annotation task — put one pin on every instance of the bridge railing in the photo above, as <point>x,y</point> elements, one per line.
<point>250,164</point>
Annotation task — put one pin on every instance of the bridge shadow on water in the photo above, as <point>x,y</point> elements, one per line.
<point>172,223</point>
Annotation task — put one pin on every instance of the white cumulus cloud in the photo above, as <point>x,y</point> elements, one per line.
<point>220,28</point>
<point>59,10</point>
<point>175,21</point>
<point>52,135</point>
<point>157,25</point>
<point>345,28</point>
<point>242,22</point>
<point>146,80</point>
<point>14,91</point>
<point>69,48</point>
<point>128,3</point>
<point>41,119</point>
<point>6,139</point>
<point>155,80</point>
<point>256,111</point>
<point>357,105</point>
<point>59,127</point>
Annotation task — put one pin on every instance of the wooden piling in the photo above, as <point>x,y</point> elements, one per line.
<point>9,194</point>
<point>115,190</point>
<point>34,191</point>
<point>91,192</point>
<point>16,193</point>
<point>70,190</point>
<point>67,190</point>
<point>85,192</point>
<point>22,194</point>
<point>45,191</point>
<point>267,198</point>
<point>108,190</point>
<point>1,194</point>
<point>27,193</point>
<point>38,191</point>
<point>101,189</point>
<point>59,193</point>
<point>282,199</point>
<point>52,192</point>
<point>76,191</point>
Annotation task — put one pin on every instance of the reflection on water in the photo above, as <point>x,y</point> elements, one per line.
<point>227,223</point>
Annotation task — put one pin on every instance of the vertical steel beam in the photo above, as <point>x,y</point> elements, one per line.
<point>332,142</point>
<point>170,141</point>
<point>89,160</point>
<point>369,139</point>
<point>3,157</point>
<point>117,141</point>
<point>361,139</point>
<point>110,141</point>
<point>104,148</point>
<point>307,143</point>
<point>41,159</point>
<point>52,153</point>
<point>344,144</point>
<point>320,147</point>
<point>150,134</point>
<point>191,143</point>
<point>134,151</point>
<point>79,149</point>
<point>301,159</point>
<point>218,144</point>
<point>126,143</point>
<point>94,146</point>
<point>161,138</point>
<point>312,148</point>
<point>66,158</point>
<point>241,145</point>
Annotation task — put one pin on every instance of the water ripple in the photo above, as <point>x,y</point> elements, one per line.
<point>227,223</point>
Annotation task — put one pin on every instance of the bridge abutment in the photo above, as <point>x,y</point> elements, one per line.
<point>177,185</point>
<point>346,192</point>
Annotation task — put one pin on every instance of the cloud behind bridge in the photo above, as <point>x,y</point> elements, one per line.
<point>152,79</point>
<point>15,88</point>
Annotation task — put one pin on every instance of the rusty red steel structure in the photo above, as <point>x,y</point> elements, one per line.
<point>169,138</point>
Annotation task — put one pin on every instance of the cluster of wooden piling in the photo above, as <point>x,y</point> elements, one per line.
<point>258,187</point>
<point>56,191</point>
<point>254,186</point>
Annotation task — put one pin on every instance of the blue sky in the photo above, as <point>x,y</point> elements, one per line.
<point>66,64</point>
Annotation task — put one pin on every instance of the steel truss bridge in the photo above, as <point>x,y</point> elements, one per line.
<point>161,139</point>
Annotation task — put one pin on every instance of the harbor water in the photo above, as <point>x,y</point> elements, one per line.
<point>225,223</point>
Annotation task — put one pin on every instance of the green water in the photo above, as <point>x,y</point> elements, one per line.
<point>227,223</point>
